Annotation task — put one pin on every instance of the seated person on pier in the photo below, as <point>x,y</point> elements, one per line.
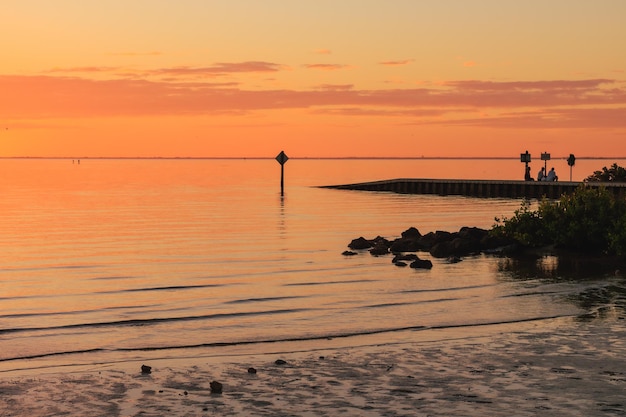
<point>527,175</point>
<point>551,175</point>
<point>541,175</point>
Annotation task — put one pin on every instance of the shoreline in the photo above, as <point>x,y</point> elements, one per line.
<point>560,366</point>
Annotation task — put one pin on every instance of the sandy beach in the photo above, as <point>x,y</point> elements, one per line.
<point>568,369</point>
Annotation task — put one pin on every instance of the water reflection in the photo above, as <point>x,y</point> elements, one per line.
<point>599,286</point>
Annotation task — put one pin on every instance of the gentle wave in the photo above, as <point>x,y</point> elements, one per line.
<point>287,339</point>
<point>143,322</point>
<point>314,283</point>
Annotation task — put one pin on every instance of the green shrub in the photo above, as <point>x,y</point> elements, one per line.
<point>590,219</point>
<point>613,174</point>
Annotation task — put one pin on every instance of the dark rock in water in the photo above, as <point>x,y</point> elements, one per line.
<point>280,362</point>
<point>494,243</point>
<point>409,242</point>
<point>360,243</point>
<point>251,370</point>
<point>348,253</point>
<point>380,241</point>
<point>216,387</point>
<point>457,246</point>
<point>405,245</point>
<point>404,257</point>
<point>430,239</point>
<point>379,250</point>
<point>473,233</point>
<point>400,263</point>
<point>421,264</point>
<point>145,369</point>
<point>504,250</point>
<point>442,250</point>
<point>453,259</point>
<point>411,233</point>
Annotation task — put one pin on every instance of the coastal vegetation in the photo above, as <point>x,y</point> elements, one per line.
<point>591,220</point>
<point>614,173</point>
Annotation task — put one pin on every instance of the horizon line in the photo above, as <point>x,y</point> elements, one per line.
<point>302,157</point>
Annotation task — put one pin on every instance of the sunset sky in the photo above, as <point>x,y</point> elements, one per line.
<point>315,78</point>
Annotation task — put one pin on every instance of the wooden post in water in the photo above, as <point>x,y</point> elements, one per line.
<point>282,158</point>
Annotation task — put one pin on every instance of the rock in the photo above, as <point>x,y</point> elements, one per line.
<point>379,250</point>
<point>360,243</point>
<point>456,247</point>
<point>441,250</point>
<point>280,362</point>
<point>430,239</point>
<point>421,264</point>
<point>400,263</point>
<point>348,253</point>
<point>251,370</point>
<point>453,259</point>
<point>145,369</point>
<point>411,233</point>
<point>380,241</point>
<point>473,233</point>
<point>405,245</point>
<point>216,387</point>
<point>404,257</point>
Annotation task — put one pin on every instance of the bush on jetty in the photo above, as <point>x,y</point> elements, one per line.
<point>590,220</point>
<point>613,174</point>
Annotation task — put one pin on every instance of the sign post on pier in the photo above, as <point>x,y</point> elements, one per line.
<point>525,158</point>
<point>571,160</point>
<point>282,158</point>
<point>545,157</point>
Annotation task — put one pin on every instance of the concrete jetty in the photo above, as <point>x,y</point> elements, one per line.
<point>478,188</point>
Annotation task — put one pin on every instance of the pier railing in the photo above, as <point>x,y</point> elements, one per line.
<point>479,188</point>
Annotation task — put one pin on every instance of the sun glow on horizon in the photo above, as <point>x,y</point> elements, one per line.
<point>245,79</point>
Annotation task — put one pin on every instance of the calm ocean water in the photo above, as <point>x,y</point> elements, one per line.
<point>118,257</point>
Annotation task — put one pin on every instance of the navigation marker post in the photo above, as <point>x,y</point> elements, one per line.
<point>571,160</point>
<point>545,157</point>
<point>282,158</point>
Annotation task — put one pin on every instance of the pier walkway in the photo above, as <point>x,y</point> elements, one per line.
<point>478,188</point>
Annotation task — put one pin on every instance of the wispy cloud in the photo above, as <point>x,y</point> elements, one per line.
<point>323,51</point>
<point>85,70</point>
<point>396,63</point>
<point>335,87</point>
<point>326,67</point>
<point>141,54</point>
<point>216,70</point>
<point>550,103</point>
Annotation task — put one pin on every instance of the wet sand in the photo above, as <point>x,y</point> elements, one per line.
<point>578,369</point>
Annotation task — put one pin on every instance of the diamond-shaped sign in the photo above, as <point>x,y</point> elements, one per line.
<point>282,158</point>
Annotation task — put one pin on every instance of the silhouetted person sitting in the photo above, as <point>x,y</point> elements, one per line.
<point>541,175</point>
<point>552,175</point>
<point>527,176</point>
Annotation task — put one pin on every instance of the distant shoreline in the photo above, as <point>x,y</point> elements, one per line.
<point>365,158</point>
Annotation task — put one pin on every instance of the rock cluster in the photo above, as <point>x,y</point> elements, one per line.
<point>440,244</point>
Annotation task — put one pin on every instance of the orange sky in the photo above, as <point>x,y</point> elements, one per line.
<point>322,78</point>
